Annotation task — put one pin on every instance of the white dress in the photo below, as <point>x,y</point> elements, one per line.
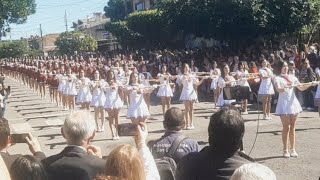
<point>98,96</point>
<point>243,78</point>
<point>165,89</point>
<point>222,83</point>
<point>62,82</point>
<point>216,73</point>
<point>113,99</point>
<point>188,92</point>
<point>138,107</point>
<point>287,104</point>
<point>266,87</point>
<point>84,94</point>
<point>144,78</point>
<point>70,87</point>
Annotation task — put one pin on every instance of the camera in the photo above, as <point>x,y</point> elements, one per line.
<point>127,129</point>
<point>19,138</point>
<point>237,92</point>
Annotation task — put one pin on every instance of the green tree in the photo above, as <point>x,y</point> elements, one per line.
<point>14,49</point>
<point>117,10</point>
<point>71,42</point>
<point>14,11</point>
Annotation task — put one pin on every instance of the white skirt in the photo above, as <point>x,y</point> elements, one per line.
<point>188,95</point>
<point>61,87</point>
<point>214,84</point>
<point>139,109</point>
<point>113,103</point>
<point>165,91</point>
<point>70,90</point>
<point>288,104</point>
<point>266,88</point>
<point>98,100</point>
<point>84,96</point>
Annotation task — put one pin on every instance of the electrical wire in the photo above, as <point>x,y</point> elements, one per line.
<point>258,124</point>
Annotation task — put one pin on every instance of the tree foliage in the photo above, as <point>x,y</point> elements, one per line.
<point>71,42</point>
<point>14,49</point>
<point>14,11</point>
<point>117,10</point>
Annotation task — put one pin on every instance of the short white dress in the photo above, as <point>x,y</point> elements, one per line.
<point>214,73</point>
<point>144,79</point>
<point>266,87</point>
<point>84,94</point>
<point>113,99</point>
<point>188,92</point>
<point>138,107</point>
<point>222,83</point>
<point>165,89</point>
<point>288,103</point>
<point>98,96</point>
<point>71,87</point>
<point>243,75</point>
<point>62,82</point>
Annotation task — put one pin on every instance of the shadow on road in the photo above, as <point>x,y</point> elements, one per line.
<point>267,158</point>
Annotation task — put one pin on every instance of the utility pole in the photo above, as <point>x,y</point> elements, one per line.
<point>42,45</point>
<point>66,20</point>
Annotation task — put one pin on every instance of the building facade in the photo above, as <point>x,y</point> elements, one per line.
<point>141,5</point>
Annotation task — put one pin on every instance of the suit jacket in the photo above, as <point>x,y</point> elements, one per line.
<point>210,165</point>
<point>73,163</point>
<point>9,159</point>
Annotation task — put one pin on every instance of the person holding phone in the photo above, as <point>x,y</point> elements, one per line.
<point>138,109</point>
<point>7,140</point>
<point>113,103</point>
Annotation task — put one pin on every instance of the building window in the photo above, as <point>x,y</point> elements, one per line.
<point>139,6</point>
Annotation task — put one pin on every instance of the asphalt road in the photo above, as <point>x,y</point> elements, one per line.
<point>26,112</point>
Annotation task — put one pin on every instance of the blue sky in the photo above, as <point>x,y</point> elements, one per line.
<point>50,14</point>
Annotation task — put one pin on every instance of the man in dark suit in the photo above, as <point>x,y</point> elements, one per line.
<point>79,160</point>
<point>222,157</point>
<point>6,141</point>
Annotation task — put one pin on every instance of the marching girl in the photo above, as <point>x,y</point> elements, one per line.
<point>225,80</point>
<point>125,81</point>
<point>266,89</point>
<point>62,84</point>
<point>215,73</point>
<point>42,78</point>
<point>98,101</point>
<point>70,90</point>
<point>84,96</point>
<point>165,91</point>
<point>54,84</point>
<point>145,78</point>
<point>138,109</point>
<point>113,103</point>
<point>189,94</point>
<point>288,106</point>
<point>242,76</point>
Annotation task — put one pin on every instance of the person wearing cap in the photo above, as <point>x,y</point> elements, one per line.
<point>173,124</point>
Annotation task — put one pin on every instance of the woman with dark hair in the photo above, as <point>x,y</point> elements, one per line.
<point>145,78</point>
<point>189,94</point>
<point>84,96</point>
<point>70,90</point>
<point>225,80</point>
<point>242,77</point>
<point>288,106</point>
<point>138,109</point>
<point>165,91</point>
<point>113,103</point>
<point>215,73</point>
<point>27,168</point>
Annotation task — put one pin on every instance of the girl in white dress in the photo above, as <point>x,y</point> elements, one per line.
<point>288,107</point>
<point>266,89</point>
<point>113,103</point>
<point>138,109</point>
<point>165,91</point>
<point>98,100</point>
<point>145,78</point>
<point>189,94</point>
<point>70,90</point>
<point>125,81</point>
<point>215,73</point>
<point>225,80</point>
<point>242,80</point>
<point>84,96</point>
<point>62,84</point>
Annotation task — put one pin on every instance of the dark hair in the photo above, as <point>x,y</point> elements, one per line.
<point>244,63</point>
<point>109,79</point>
<point>173,119</point>
<point>27,168</point>
<point>226,129</point>
<point>130,78</point>
<point>223,74</point>
<point>183,66</point>
<point>214,64</point>
<point>4,133</point>
<point>279,66</point>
